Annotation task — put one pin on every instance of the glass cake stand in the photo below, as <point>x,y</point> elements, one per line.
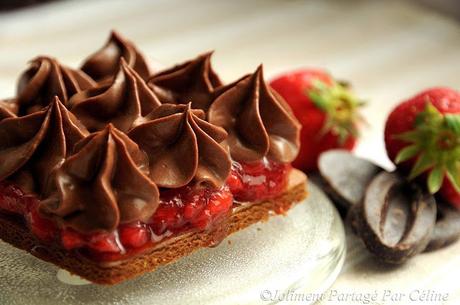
<point>281,260</point>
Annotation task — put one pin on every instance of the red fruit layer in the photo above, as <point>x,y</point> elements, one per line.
<point>14,201</point>
<point>180,210</point>
<point>11,199</point>
<point>258,180</point>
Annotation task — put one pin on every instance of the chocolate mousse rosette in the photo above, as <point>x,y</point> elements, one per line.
<point>123,102</point>
<point>8,108</point>
<point>33,146</point>
<point>183,147</point>
<point>104,183</point>
<point>193,81</point>
<point>45,79</point>
<point>104,64</point>
<point>258,122</point>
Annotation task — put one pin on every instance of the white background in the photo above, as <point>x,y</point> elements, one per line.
<point>389,50</point>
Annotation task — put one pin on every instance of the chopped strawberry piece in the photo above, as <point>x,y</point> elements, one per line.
<point>105,242</point>
<point>203,220</point>
<point>234,182</point>
<point>71,239</point>
<point>254,168</point>
<point>184,207</point>
<point>193,208</point>
<point>261,180</point>
<point>11,199</point>
<point>134,235</point>
<point>220,203</point>
<point>165,217</point>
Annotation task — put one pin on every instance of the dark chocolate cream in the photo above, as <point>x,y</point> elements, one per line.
<point>193,81</point>
<point>104,64</point>
<point>123,102</point>
<point>46,78</point>
<point>8,108</point>
<point>94,145</point>
<point>183,147</point>
<point>37,144</point>
<point>258,121</point>
<point>104,183</point>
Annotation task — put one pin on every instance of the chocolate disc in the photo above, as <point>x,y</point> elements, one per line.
<point>447,228</point>
<point>352,218</point>
<point>346,176</point>
<point>396,219</point>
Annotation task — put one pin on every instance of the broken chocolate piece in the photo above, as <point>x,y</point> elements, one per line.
<point>346,176</point>
<point>396,218</point>
<point>447,228</point>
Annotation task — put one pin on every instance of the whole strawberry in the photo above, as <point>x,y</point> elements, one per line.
<point>327,110</point>
<point>422,137</point>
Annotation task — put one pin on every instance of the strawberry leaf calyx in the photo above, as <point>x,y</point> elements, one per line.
<point>435,143</point>
<point>340,106</point>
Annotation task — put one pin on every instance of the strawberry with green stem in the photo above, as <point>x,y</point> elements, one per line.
<point>327,110</point>
<point>422,137</point>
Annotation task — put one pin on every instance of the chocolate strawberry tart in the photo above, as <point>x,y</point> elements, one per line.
<point>113,170</point>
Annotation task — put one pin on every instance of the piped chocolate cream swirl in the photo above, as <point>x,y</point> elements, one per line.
<point>103,65</point>
<point>258,122</point>
<point>37,144</point>
<point>8,109</point>
<point>193,81</point>
<point>45,79</point>
<point>145,135</point>
<point>123,102</point>
<point>104,183</point>
<point>183,147</point>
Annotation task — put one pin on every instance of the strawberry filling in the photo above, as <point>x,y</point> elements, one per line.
<point>258,180</point>
<point>180,210</point>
